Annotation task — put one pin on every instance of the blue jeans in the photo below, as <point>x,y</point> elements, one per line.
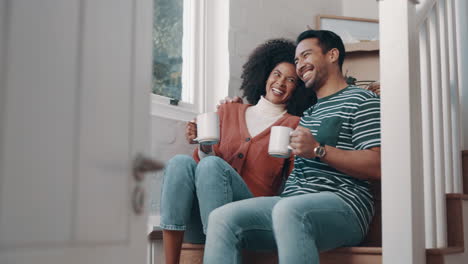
<point>298,227</point>
<point>190,191</point>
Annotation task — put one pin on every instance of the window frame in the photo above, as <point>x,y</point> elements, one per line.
<point>194,64</point>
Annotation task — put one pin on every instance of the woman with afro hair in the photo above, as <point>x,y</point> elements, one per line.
<point>239,166</point>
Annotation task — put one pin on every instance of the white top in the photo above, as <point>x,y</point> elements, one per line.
<point>262,115</point>
<point>258,118</point>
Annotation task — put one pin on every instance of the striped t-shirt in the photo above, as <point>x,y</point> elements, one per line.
<point>348,120</point>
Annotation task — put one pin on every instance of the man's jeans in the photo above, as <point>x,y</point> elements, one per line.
<point>191,191</point>
<point>298,227</point>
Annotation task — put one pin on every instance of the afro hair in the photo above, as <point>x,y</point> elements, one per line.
<point>258,67</point>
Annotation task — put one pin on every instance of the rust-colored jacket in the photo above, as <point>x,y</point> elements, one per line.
<point>249,156</point>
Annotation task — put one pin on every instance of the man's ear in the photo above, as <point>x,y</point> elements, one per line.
<point>333,55</point>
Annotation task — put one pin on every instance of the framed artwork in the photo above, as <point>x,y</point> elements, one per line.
<point>350,29</point>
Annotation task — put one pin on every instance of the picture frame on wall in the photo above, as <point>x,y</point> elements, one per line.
<point>350,29</point>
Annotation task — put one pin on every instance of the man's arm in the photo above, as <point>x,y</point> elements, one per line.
<point>361,164</point>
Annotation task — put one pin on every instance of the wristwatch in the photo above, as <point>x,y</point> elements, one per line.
<point>320,152</point>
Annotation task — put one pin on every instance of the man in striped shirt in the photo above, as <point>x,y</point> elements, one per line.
<point>326,202</point>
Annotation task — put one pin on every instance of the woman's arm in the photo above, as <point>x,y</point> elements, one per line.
<point>191,135</point>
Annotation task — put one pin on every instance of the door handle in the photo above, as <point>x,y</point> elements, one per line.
<point>143,164</point>
<point>138,200</point>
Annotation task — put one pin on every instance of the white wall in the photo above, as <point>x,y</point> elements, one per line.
<point>254,21</point>
<point>217,53</point>
<point>168,140</point>
<point>361,8</point>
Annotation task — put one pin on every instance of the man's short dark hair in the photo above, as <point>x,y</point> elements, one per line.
<point>327,40</point>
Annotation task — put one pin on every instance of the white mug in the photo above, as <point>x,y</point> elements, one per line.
<point>280,137</point>
<point>208,128</point>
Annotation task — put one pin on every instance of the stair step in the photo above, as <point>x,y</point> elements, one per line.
<point>359,250</point>
<point>193,253</point>
<point>454,205</point>
<point>437,255</point>
<point>444,251</point>
<point>352,255</point>
<point>459,196</point>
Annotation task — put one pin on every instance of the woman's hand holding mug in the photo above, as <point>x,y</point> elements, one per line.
<point>191,136</point>
<point>191,131</point>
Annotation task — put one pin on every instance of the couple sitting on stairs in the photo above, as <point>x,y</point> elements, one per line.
<point>325,202</point>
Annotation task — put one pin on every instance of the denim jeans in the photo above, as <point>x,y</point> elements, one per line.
<point>298,227</point>
<point>190,191</point>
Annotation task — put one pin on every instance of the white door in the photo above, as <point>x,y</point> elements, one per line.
<point>75,78</point>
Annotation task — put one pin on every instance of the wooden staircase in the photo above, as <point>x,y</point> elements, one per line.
<point>370,251</point>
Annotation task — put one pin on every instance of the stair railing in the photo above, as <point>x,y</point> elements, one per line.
<point>438,36</point>
<point>421,124</point>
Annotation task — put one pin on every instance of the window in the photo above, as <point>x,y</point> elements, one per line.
<point>178,44</point>
<point>168,31</point>
<point>190,56</point>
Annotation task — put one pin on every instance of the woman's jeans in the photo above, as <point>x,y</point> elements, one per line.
<point>191,191</point>
<point>298,227</point>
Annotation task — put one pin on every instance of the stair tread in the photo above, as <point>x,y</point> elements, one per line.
<point>445,250</point>
<point>457,196</point>
<point>358,250</point>
<point>378,250</point>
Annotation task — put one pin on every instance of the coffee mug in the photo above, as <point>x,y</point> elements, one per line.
<point>207,128</point>
<point>280,137</point>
